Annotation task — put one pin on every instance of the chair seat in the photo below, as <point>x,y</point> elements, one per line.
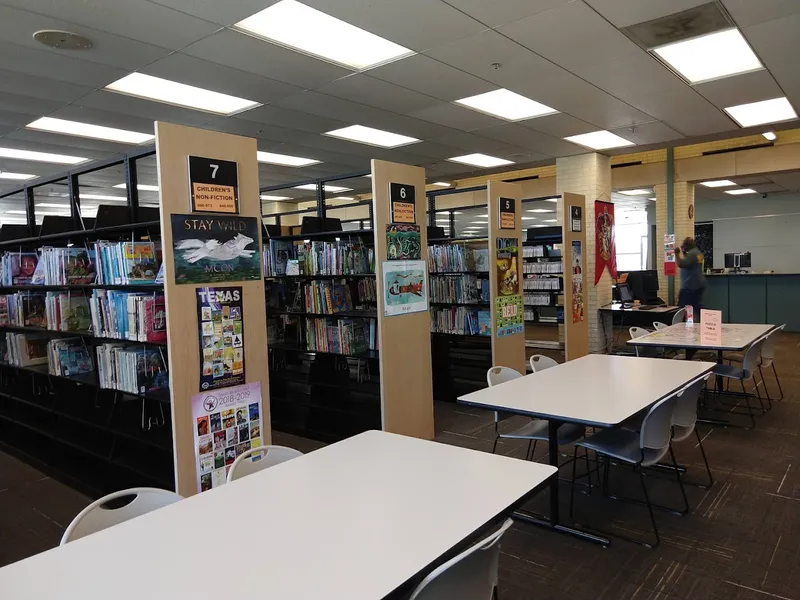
<point>537,429</point>
<point>730,371</point>
<point>622,444</point>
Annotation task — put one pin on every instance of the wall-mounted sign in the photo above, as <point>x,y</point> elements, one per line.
<point>221,327</point>
<point>575,218</point>
<point>508,213</point>
<point>214,185</point>
<point>508,312</point>
<point>403,201</point>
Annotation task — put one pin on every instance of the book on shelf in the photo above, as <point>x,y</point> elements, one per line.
<point>18,267</point>
<point>481,259</point>
<point>67,311</point>
<point>135,316</point>
<point>541,283</point>
<point>68,357</point>
<point>4,310</point>
<point>65,266</point>
<point>458,320</point>
<point>549,268</point>
<point>340,336</point>
<point>344,257</point>
<point>26,309</point>
<point>26,349</point>
<point>452,258</point>
<point>461,289</point>
<point>367,290</point>
<point>484,322</point>
<point>130,368</point>
<point>126,263</point>
<point>278,254</point>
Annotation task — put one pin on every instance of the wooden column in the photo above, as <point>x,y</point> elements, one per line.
<point>174,143</point>
<point>405,340</point>
<point>508,350</point>
<point>576,321</point>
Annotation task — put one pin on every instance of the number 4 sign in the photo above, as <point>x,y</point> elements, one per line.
<point>214,185</point>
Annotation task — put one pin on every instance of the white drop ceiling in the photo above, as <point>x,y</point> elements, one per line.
<point>567,54</point>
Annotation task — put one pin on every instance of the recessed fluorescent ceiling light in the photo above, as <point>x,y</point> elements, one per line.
<point>766,111</point>
<point>103,197</point>
<point>550,221</point>
<point>480,160</point>
<point>373,137</point>
<point>441,184</point>
<point>636,192</point>
<point>86,130</point>
<point>741,191</point>
<point>528,218</point>
<point>343,198</point>
<point>551,199</point>
<point>599,140</point>
<point>276,198</point>
<point>718,183</point>
<point>284,159</point>
<point>60,159</point>
<point>328,188</point>
<point>16,176</point>
<point>39,212</point>
<point>308,30</point>
<point>770,135</point>
<point>711,56</point>
<point>52,205</point>
<point>142,187</point>
<point>172,92</point>
<point>540,210</point>
<point>507,105</point>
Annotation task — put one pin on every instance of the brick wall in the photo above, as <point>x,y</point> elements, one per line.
<point>589,175</point>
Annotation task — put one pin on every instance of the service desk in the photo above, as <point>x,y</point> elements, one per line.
<point>755,297</point>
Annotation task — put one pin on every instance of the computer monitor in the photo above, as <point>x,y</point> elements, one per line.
<point>624,291</point>
<point>729,260</point>
<point>737,260</point>
<point>644,285</point>
<point>744,260</point>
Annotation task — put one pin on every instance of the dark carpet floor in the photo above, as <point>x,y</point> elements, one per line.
<point>741,540</point>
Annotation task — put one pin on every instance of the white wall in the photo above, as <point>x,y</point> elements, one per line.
<point>767,227</point>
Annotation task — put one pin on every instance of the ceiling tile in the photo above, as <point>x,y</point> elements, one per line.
<point>456,117</point>
<point>147,109</point>
<point>544,146</point>
<point>685,111</point>
<point>742,89</point>
<point>36,106</point>
<point>469,143</point>
<point>40,87</point>
<point>244,52</point>
<point>17,26</point>
<point>283,117</point>
<point>648,133</point>
<point>71,144</point>
<point>591,38</point>
<point>16,119</point>
<point>223,13</point>
<point>622,13</point>
<point>212,76</point>
<point>380,94</point>
<point>750,180</point>
<point>747,12</point>
<point>415,24</point>
<point>431,77</point>
<point>634,73</point>
<point>495,14</point>
<point>20,139</point>
<point>255,130</point>
<point>560,125</point>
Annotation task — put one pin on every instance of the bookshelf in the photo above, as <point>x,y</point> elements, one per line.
<point>543,282</point>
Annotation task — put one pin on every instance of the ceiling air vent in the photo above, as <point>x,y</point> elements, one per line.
<point>700,20</point>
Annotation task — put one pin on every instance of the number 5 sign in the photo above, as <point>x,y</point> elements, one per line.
<point>214,185</point>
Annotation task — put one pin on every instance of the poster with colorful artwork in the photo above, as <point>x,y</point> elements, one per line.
<point>670,264</point>
<point>226,423</point>
<point>605,240</point>
<point>221,328</point>
<point>402,242</point>
<point>508,314</point>
<point>405,288</point>
<point>215,249</point>
<point>576,274</point>
<point>507,262</point>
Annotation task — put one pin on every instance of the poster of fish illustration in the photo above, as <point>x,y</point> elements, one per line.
<point>405,288</point>
<point>215,249</point>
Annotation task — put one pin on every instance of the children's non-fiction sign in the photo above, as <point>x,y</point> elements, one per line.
<point>403,200</point>
<point>215,249</point>
<point>226,423</point>
<point>402,241</point>
<point>214,185</point>
<point>405,289</point>
<point>221,328</point>
<point>508,315</point>
<point>507,214</point>
<point>507,259</point>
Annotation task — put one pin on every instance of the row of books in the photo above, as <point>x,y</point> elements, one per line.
<point>67,311</point>
<point>136,316</point>
<point>65,266</point>
<point>24,349</point>
<point>18,267</point>
<point>454,258</point>
<point>132,369</point>
<point>67,357</point>
<point>541,283</point>
<point>543,267</point>
<point>126,263</point>
<point>463,289</point>
<point>23,309</point>
<point>343,257</point>
<point>341,336</point>
<point>327,297</point>
<point>367,290</point>
<point>533,251</point>
<point>461,320</point>
<point>529,314</point>
<point>532,299</point>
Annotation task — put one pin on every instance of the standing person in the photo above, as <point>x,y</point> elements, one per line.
<point>693,282</point>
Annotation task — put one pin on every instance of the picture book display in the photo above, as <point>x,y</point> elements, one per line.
<point>226,423</point>
<point>404,287</point>
<point>69,357</point>
<point>136,316</point>
<point>215,249</point>
<point>19,267</point>
<point>131,368</point>
<point>65,266</point>
<point>126,263</point>
<point>402,241</point>
<point>221,337</point>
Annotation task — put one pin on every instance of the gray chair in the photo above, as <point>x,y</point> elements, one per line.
<point>750,363</point>
<point>636,332</point>
<point>639,449</point>
<point>472,575</point>
<point>540,362</point>
<point>679,316</point>
<point>657,325</point>
<point>765,361</point>
<point>534,431</point>
<point>684,418</point>
<point>258,459</point>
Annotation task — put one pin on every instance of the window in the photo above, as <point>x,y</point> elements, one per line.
<point>631,240</point>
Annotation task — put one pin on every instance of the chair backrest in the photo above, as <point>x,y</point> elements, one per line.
<point>656,431</point>
<point>472,575</point>
<point>684,416</point>
<point>752,357</point>
<point>102,513</point>
<point>679,316</point>
<point>637,332</point>
<point>540,362</point>
<point>768,349</point>
<point>498,375</point>
<point>260,458</point>
<point>659,325</point>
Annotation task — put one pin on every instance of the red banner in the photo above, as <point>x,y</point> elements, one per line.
<point>605,245</point>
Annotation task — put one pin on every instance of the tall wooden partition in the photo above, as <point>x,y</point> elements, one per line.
<point>576,278</point>
<point>405,340</point>
<point>507,350</point>
<point>174,144</point>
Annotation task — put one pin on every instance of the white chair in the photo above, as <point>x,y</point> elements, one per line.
<point>258,459</point>
<point>472,575</point>
<point>637,332</point>
<point>657,325</point>
<point>680,316</point>
<point>540,362</point>
<point>98,515</point>
<point>534,431</point>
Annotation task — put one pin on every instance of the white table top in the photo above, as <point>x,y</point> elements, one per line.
<point>735,336</point>
<point>598,389</point>
<point>353,520</point>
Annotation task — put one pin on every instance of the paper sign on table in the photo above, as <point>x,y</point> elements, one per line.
<point>710,327</point>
